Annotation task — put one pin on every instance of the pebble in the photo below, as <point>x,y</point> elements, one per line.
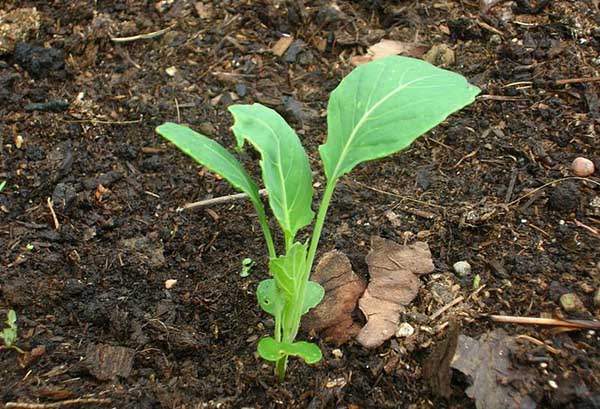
<point>570,302</point>
<point>337,353</point>
<point>582,167</point>
<point>597,298</point>
<point>553,384</point>
<point>405,330</point>
<point>462,268</point>
<point>170,283</point>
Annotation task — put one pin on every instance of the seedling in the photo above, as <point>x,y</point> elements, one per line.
<point>247,265</point>
<point>379,109</point>
<point>9,334</point>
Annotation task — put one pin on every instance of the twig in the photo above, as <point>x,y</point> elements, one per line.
<point>99,121</point>
<point>446,307</point>
<point>146,36</point>
<point>385,192</point>
<point>218,200</point>
<point>592,230</point>
<point>499,98</point>
<point>54,218</point>
<point>545,185</point>
<point>554,322</point>
<point>55,405</point>
<point>539,343</point>
<point>576,80</point>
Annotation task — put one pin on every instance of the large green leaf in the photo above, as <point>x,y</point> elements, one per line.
<point>381,107</point>
<point>213,156</point>
<point>285,168</point>
<point>271,350</point>
<point>288,270</point>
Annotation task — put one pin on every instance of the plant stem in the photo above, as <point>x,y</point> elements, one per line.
<point>264,225</point>
<point>314,241</point>
<point>289,334</point>
<point>280,368</point>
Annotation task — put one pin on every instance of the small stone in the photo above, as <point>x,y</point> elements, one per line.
<point>405,330</point>
<point>582,167</point>
<point>462,268</point>
<point>337,353</point>
<point>553,384</point>
<point>170,283</point>
<point>171,71</point>
<point>495,39</point>
<point>597,298</point>
<point>570,302</point>
<point>440,55</point>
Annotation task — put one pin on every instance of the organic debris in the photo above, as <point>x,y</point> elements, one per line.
<point>106,362</point>
<point>394,271</point>
<point>436,368</point>
<point>386,48</point>
<point>495,382</point>
<point>333,316</point>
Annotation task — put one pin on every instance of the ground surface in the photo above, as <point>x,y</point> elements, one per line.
<point>99,278</point>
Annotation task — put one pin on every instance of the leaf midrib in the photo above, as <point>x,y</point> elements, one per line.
<point>364,118</point>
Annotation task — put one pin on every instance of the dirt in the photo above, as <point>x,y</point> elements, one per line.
<point>86,271</point>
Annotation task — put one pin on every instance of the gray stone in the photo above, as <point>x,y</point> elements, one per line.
<point>462,268</point>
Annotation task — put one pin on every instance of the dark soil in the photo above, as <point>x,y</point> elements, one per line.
<point>96,277</point>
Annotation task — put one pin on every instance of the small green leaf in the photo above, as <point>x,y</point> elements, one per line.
<point>269,297</point>
<point>285,168</point>
<point>314,295</point>
<point>287,270</point>
<point>2,185</point>
<point>212,155</point>
<point>381,107</point>
<point>247,265</point>
<point>11,319</point>
<point>271,350</point>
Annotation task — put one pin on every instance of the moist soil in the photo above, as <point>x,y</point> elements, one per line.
<point>90,229</point>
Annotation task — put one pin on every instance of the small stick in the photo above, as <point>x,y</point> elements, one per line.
<point>54,218</point>
<point>555,322</point>
<point>146,36</point>
<point>592,230</point>
<point>539,343</point>
<point>576,80</point>
<point>218,200</point>
<point>545,185</point>
<point>446,307</point>
<point>55,405</point>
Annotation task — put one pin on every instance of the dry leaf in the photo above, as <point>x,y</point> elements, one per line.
<point>333,316</point>
<point>385,48</point>
<point>281,46</point>
<point>495,382</point>
<point>394,271</point>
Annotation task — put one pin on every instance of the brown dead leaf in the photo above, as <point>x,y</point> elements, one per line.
<point>436,368</point>
<point>495,382</point>
<point>394,271</point>
<point>281,46</point>
<point>333,316</point>
<point>107,362</point>
<point>385,48</point>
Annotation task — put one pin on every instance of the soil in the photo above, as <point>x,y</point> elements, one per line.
<point>86,274</point>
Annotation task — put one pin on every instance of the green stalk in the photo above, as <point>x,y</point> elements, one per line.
<point>264,225</point>
<point>296,314</point>
<point>314,241</point>
<point>280,367</point>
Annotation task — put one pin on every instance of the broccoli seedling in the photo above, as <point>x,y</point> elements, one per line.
<point>9,334</point>
<point>379,109</point>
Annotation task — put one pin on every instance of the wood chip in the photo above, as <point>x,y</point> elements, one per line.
<point>281,46</point>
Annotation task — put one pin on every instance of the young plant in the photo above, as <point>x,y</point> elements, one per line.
<point>379,109</point>
<point>9,334</point>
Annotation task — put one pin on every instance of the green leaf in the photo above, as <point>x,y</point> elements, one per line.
<point>381,107</point>
<point>213,156</point>
<point>269,297</point>
<point>285,168</point>
<point>287,270</point>
<point>314,295</point>
<point>271,350</point>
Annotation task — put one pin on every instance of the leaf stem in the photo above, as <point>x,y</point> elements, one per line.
<point>280,367</point>
<point>314,241</point>
<point>264,225</point>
